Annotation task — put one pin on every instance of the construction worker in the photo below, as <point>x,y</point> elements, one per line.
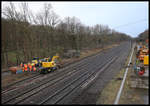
<point>34,68</point>
<point>25,67</point>
<point>33,65</point>
<point>21,64</point>
<point>30,67</point>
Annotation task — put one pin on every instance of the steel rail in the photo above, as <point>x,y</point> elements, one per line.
<point>60,90</point>
<point>66,94</point>
<point>80,84</point>
<point>56,93</point>
<point>98,55</point>
<point>65,65</point>
<point>4,89</point>
<point>33,77</point>
<point>42,84</point>
<point>71,83</point>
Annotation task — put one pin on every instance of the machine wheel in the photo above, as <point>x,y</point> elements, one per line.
<point>44,71</point>
<point>52,70</point>
<point>49,70</point>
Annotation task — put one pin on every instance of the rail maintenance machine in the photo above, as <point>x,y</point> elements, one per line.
<point>50,64</point>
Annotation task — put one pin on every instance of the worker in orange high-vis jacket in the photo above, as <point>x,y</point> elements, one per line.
<point>30,67</point>
<point>25,67</point>
<point>21,64</point>
<point>34,68</point>
<point>34,65</point>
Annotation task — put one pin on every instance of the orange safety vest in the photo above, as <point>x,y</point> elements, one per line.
<point>21,64</point>
<point>26,67</point>
<point>33,65</point>
<point>30,67</point>
<point>23,69</point>
<point>34,69</point>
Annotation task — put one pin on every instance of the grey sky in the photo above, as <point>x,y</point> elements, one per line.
<point>127,17</point>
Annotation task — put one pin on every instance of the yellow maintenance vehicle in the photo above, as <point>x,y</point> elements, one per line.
<point>50,64</point>
<point>144,65</point>
<point>142,59</point>
<point>143,52</point>
<point>35,61</point>
<point>146,60</point>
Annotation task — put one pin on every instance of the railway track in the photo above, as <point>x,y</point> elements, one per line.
<point>29,88</point>
<point>54,89</point>
<point>60,94</point>
<point>68,89</point>
<point>15,85</point>
<point>12,86</point>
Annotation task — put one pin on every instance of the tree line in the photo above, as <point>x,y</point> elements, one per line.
<point>142,37</point>
<point>26,35</point>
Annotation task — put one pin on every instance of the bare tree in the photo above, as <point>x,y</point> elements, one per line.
<point>53,19</point>
<point>44,33</point>
<point>9,11</point>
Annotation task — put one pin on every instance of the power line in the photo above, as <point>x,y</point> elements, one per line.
<point>130,23</point>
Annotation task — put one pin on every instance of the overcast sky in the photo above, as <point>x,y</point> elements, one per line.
<point>127,17</point>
